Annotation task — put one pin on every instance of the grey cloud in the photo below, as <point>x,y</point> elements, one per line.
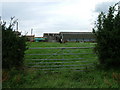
<point>104,6</point>
<point>28,13</point>
<point>27,10</point>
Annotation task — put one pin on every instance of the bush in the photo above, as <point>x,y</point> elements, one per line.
<point>13,47</point>
<point>107,33</point>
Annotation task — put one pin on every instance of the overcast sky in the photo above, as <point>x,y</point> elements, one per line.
<point>54,15</point>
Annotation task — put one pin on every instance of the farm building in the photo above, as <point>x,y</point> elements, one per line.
<point>70,37</point>
<point>51,37</point>
<point>77,36</point>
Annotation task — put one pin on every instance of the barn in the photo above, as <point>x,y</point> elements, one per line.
<point>77,36</point>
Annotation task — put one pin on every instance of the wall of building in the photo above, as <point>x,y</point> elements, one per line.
<point>77,36</point>
<point>70,36</point>
<point>30,37</point>
<point>51,37</point>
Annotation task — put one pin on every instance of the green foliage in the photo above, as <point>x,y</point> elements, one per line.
<point>107,33</point>
<point>13,46</point>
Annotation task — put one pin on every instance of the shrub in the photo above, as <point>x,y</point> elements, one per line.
<point>107,33</point>
<point>13,46</point>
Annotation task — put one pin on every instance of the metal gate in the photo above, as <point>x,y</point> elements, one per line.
<point>61,58</point>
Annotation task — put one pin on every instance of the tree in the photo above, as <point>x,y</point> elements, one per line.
<point>107,34</point>
<point>13,46</point>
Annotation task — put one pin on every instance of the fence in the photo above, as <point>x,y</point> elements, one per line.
<point>62,58</point>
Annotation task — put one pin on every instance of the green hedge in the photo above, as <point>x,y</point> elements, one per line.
<point>107,33</point>
<point>13,47</point>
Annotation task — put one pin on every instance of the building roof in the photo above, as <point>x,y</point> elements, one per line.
<point>75,32</point>
<point>51,33</point>
<point>77,35</point>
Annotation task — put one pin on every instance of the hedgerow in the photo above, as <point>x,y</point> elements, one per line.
<point>13,46</point>
<point>107,34</point>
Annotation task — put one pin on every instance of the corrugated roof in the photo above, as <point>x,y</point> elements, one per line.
<point>75,32</point>
<point>51,33</point>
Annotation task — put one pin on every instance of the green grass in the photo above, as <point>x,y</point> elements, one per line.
<point>31,78</point>
<point>54,44</point>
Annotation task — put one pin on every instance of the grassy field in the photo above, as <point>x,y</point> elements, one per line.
<point>68,44</point>
<point>32,78</point>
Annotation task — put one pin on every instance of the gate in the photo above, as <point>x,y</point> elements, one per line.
<point>61,58</point>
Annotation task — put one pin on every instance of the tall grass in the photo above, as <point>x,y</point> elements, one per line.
<point>30,78</point>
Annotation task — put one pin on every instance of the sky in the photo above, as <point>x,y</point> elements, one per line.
<point>53,16</point>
